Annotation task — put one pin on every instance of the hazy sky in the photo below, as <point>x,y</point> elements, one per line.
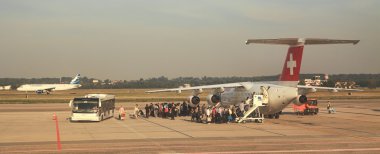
<point>120,39</point>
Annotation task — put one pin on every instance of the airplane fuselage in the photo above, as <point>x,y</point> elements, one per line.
<point>54,87</point>
<point>278,96</point>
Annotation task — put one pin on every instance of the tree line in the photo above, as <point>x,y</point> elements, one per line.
<point>363,80</point>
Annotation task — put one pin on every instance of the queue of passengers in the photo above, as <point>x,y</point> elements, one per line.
<point>163,110</point>
<point>201,114</point>
<point>215,114</point>
<point>219,114</point>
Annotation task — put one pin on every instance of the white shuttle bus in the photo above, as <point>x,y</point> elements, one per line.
<point>92,107</point>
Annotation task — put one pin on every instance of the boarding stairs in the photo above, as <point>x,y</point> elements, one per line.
<point>255,104</point>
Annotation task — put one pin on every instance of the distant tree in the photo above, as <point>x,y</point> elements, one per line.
<point>329,83</point>
<point>66,79</point>
<point>372,84</point>
<point>364,80</point>
<point>107,81</point>
<point>302,82</point>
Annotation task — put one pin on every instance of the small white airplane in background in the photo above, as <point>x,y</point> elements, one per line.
<point>47,88</point>
<point>5,87</point>
<point>277,94</point>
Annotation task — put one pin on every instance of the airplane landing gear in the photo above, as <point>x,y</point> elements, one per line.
<point>276,116</point>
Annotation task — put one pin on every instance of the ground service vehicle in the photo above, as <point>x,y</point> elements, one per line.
<point>308,108</point>
<point>92,107</point>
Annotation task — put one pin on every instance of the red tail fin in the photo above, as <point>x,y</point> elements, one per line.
<point>292,65</point>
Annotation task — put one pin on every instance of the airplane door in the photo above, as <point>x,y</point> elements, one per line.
<point>265,94</point>
<point>258,100</point>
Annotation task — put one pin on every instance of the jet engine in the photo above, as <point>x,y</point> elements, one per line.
<point>301,99</point>
<point>194,101</point>
<point>213,99</point>
<point>42,92</point>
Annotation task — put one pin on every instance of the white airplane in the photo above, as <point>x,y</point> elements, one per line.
<point>278,93</point>
<point>5,87</point>
<point>47,88</point>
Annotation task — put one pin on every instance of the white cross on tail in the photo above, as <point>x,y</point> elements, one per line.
<point>291,64</point>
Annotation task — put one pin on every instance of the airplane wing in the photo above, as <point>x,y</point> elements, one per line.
<point>228,85</point>
<point>326,88</point>
<point>295,41</point>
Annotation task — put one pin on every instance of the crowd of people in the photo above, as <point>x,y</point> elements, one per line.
<point>199,113</point>
<point>213,114</point>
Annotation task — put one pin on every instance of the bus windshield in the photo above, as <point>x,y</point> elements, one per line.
<point>85,106</point>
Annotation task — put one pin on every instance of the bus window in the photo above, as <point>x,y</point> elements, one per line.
<point>85,107</point>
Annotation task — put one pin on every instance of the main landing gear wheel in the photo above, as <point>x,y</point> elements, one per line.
<point>259,121</point>
<point>277,116</point>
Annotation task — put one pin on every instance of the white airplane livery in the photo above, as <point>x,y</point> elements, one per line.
<point>47,88</point>
<point>276,94</point>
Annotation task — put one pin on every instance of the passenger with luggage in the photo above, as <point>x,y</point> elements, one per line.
<point>136,111</point>
<point>147,111</point>
<point>330,109</point>
<point>156,107</point>
<point>172,112</point>
<point>121,113</point>
<point>166,110</point>
<point>208,115</point>
<point>229,115</point>
<point>213,114</point>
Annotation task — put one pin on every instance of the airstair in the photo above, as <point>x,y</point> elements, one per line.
<point>254,114</point>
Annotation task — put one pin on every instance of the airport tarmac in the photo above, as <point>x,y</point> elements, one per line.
<point>355,128</point>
